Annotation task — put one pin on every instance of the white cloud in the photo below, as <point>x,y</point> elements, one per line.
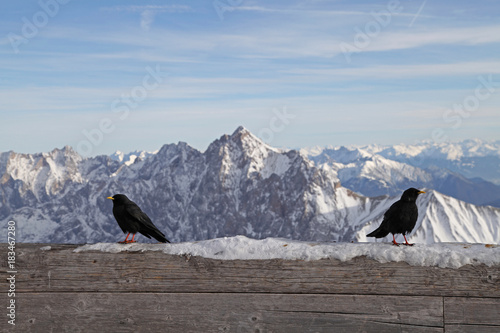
<point>406,71</point>
<point>148,12</point>
<point>443,36</point>
<point>147,18</point>
<point>158,8</point>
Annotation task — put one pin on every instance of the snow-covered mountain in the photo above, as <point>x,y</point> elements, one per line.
<point>130,158</point>
<point>470,158</point>
<point>238,186</point>
<point>445,219</point>
<point>375,170</point>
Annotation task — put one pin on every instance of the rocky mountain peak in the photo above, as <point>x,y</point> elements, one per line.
<point>238,186</point>
<point>242,141</point>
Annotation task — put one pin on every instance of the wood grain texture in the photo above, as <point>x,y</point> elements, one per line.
<point>471,329</point>
<point>181,312</point>
<point>472,311</point>
<point>59,290</point>
<point>62,270</point>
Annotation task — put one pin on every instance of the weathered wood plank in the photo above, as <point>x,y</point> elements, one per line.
<point>181,312</point>
<point>471,329</point>
<point>62,270</point>
<point>466,312</point>
<point>61,290</point>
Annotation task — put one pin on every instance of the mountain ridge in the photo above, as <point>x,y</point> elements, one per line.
<point>238,186</point>
<point>372,172</point>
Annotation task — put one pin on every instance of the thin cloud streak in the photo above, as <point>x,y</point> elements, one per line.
<point>445,36</point>
<point>281,43</point>
<point>405,71</point>
<point>158,8</point>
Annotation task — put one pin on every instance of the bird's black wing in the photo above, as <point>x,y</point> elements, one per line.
<point>394,212</point>
<point>386,226</point>
<point>409,219</point>
<point>121,217</point>
<point>401,217</point>
<point>134,211</point>
<point>147,228</point>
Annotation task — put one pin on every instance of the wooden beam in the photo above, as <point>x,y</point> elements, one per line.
<point>62,270</point>
<point>61,290</point>
<point>472,314</point>
<point>228,312</point>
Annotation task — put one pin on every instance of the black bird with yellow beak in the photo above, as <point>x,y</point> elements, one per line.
<point>132,219</point>
<point>400,218</point>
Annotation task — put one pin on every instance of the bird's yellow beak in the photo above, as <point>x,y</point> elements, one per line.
<point>418,192</point>
<point>111,198</point>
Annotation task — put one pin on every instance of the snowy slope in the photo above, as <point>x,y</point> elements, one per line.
<point>41,174</point>
<point>445,219</point>
<point>132,157</point>
<point>371,171</point>
<point>238,186</point>
<point>470,158</point>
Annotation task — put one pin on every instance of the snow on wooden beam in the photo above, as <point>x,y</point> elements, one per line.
<point>59,289</point>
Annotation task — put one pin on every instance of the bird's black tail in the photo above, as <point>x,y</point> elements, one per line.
<point>378,233</point>
<point>156,234</point>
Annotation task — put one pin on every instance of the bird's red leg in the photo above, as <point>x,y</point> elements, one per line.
<point>394,240</point>
<point>125,241</point>
<point>407,241</point>
<point>133,241</point>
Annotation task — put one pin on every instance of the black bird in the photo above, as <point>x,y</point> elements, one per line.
<point>132,219</point>
<point>400,218</point>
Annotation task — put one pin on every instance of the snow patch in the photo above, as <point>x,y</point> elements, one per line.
<point>444,255</point>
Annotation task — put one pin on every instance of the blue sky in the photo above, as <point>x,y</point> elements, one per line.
<point>102,76</point>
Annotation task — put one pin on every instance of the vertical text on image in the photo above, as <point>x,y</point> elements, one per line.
<point>11,271</point>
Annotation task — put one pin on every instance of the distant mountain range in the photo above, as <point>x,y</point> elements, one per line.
<point>447,168</point>
<point>238,186</point>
